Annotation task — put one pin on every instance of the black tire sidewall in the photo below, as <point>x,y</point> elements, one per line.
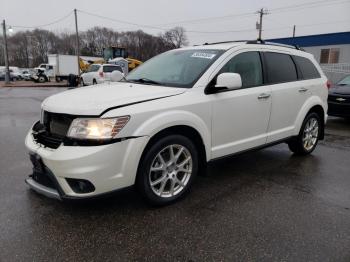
<point>142,180</point>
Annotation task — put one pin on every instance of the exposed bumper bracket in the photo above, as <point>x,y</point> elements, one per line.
<point>49,192</point>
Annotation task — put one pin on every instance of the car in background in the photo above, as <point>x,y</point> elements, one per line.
<point>27,74</point>
<point>98,74</point>
<point>339,98</point>
<point>16,73</point>
<point>13,76</point>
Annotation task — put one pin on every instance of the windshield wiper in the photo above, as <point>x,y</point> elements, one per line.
<point>145,80</point>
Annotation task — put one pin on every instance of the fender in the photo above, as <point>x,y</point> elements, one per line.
<point>309,103</point>
<point>168,119</point>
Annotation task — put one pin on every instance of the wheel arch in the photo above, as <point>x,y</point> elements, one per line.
<point>314,104</point>
<point>184,130</point>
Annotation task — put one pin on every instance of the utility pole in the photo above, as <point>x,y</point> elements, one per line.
<point>7,69</point>
<point>77,41</point>
<point>261,13</point>
<point>293,31</point>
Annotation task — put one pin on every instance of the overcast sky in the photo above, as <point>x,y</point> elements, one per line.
<point>326,16</point>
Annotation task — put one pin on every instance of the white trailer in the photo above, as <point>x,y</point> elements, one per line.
<point>65,65</point>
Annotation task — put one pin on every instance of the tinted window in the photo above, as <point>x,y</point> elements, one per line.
<point>109,69</point>
<point>307,68</point>
<point>248,65</point>
<point>280,68</point>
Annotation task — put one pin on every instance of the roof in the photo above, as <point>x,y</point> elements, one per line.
<point>340,38</point>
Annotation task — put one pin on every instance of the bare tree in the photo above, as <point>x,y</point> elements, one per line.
<point>30,48</point>
<point>176,37</point>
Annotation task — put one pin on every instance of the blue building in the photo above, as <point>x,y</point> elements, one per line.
<point>332,51</point>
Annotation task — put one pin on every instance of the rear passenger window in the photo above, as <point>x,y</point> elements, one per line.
<point>307,68</point>
<point>109,69</point>
<point>248,65</point>
<point>280,68</point>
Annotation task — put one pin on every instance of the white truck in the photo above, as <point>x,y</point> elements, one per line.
<point>60,67</point>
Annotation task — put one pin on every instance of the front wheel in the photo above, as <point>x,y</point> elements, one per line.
<point>308,137</point>
<point>167,170</point>
<point>42,79</point>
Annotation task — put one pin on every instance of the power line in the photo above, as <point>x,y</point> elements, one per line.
<point>210,18</point>
<point>308,5</point>
<point>44,25</point>
<point>160,26</point>
<point>327,2</point>
<point>156,27</point>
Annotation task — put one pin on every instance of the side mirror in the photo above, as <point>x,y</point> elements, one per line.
<point>116,76</point>
<point>229,81</point>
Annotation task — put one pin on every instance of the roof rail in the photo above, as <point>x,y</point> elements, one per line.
<point>225,42</point>
<point>275,44</point>
<point>259,42</point>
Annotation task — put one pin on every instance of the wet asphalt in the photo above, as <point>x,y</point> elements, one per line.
<point>266,205</point>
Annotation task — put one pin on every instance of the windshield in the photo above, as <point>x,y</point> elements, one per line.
<point>344,81</point>
<point>177,68</point>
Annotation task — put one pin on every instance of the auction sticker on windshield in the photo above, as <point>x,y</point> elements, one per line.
<point>203,55</point>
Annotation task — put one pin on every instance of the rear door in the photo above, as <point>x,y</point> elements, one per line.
<point>91,74</point>
<point>108,69</point>
<point>288,94</point>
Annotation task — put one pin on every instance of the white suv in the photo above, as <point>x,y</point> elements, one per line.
<point>98,74</point>
<point>172,115</point>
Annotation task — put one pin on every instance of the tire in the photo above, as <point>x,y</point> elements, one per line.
<point>58,79</point>
<point>94,82</point>
<point>310,131</point>
<point>82,82</point>
<point>41,79</point>
<point>173,179</point>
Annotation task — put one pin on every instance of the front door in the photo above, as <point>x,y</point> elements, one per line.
<point>240,117</point>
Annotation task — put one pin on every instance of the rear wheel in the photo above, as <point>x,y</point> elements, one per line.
<point>167,170</point>
<point>94,82</point>
<point>308,137</point>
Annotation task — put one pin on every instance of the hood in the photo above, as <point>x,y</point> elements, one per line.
<point>94,100</point>
<point>340,90</point>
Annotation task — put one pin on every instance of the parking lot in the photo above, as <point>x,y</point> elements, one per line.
<point>266,205</point>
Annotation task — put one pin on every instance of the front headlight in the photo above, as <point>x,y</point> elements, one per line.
<point>97,128</point>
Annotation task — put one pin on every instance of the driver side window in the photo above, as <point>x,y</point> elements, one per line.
<point>248,65</point>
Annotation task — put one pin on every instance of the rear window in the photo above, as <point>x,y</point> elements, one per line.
<point>307,68</point>
<point>94,68</point>
<point>280,68</point>
<point>109,69</point>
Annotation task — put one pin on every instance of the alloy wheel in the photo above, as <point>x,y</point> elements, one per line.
<point>170,171</point>
<point>310,134</point>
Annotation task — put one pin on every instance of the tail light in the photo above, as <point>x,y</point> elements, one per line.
<point>101,74</point>
<point>328,84</point>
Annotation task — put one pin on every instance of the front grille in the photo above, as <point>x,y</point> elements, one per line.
<point>57,124</point>
<point>339,99</point>
<point>338,109</point>
<point>52,130</point>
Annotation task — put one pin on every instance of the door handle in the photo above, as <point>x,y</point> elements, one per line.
<point>264,96</point>
<point>302,90</point>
